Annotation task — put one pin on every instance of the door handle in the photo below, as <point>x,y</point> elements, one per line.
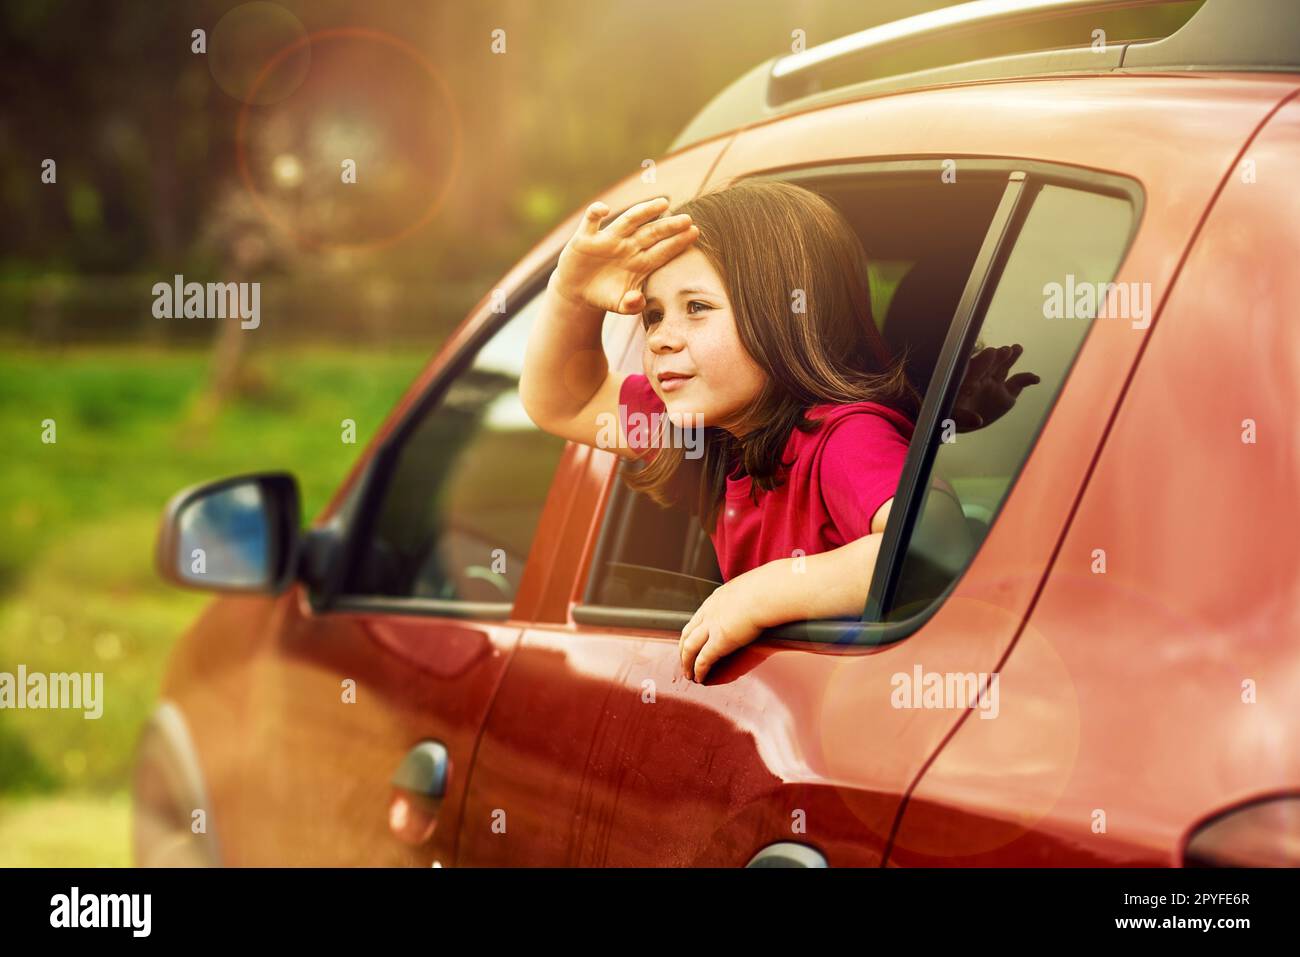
<point>419,784</point>
<point>424,770</point>
<point>788,854</point>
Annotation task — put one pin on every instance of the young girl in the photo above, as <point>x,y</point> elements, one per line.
<point>758,324</point>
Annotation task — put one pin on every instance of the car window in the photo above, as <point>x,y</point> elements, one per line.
<point>466,491</point>
<point>649,557</point>
<point>1070,239</point>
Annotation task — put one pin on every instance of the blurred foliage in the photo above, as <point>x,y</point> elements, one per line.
<point>67,830</point>
<point>144,136</point>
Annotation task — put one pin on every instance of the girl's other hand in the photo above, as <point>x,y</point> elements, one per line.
<point>604,267</point>
<point>726,621</point>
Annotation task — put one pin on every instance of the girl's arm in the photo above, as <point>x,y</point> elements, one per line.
<point>566,386</point>
<point>830,584</point>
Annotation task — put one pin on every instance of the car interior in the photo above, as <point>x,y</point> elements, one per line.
<point>921,246</point>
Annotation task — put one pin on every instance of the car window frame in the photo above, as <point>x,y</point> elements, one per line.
<point>1023,179</point>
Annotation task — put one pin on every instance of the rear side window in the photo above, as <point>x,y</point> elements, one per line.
<point>1045,300</point>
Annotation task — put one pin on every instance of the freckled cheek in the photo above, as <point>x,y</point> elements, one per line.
<point>715,358</point>
<point>731,372</point>
<point>732,368</point>
<point>726,375</point>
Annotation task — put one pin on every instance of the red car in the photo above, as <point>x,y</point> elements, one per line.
<point>470,658</point>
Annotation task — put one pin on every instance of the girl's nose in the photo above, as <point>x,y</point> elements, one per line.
<point>664,337</point>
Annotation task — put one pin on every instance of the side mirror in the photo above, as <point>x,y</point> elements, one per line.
<point>238,534</point>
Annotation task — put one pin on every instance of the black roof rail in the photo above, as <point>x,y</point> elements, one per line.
<point>1228,35</point>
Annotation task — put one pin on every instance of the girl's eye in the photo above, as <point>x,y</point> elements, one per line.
<point>648,319</point>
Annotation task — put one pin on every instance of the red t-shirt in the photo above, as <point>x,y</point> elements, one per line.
<point>841,474</point>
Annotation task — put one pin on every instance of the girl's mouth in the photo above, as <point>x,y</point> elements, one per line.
<point>673,383</point>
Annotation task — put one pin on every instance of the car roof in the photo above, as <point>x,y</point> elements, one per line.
<point>1215,38</point>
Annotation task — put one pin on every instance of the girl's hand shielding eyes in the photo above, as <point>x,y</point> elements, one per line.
<point>604,268</point>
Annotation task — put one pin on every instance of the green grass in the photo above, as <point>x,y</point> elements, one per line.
<point>67,830</point>
<point>77,524</point>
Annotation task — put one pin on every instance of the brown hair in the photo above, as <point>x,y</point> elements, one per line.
<point>769,241</point>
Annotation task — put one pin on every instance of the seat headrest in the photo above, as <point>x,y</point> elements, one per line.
<point>919,315</point>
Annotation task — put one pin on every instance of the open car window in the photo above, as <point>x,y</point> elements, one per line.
<point>941,256</point>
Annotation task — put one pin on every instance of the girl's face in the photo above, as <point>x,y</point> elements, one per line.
<point>690,330</point>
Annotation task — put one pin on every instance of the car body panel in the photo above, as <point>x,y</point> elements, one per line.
<point>1146,697</point>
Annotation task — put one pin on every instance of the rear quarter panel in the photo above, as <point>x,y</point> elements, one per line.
<point>1141,699</point>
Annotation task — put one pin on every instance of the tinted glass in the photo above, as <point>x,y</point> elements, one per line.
<point>1070,238</point>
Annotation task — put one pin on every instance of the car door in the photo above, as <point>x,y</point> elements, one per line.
<point>803,745</point>
<point>365,704</point>
<point>773,759</point>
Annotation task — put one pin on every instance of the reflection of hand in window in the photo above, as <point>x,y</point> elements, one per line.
<point>940,545</point>
<point>986,394</point>
<point>942,534</point>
